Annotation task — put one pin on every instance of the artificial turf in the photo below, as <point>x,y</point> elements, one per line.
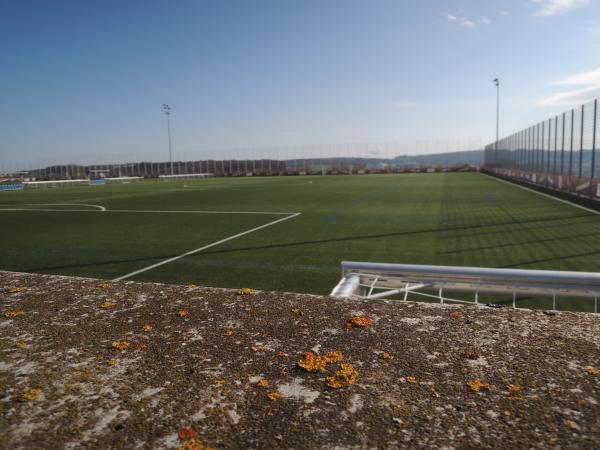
<point>446,218</point>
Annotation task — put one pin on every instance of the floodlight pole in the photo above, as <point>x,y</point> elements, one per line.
<point>497,84</point>
<point>167,111</point>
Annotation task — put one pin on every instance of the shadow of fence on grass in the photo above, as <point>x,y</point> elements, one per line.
<point>128,260</point>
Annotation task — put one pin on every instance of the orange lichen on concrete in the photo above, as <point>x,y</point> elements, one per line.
<point>274,396</point>
<point>388,356</point>
<point>257,349</point>
<point>515,399</point>
<point>513,387</point>
<point>333,357</point>
<point>194,444</point>
<point>282,354</point>
<point>31,394</point>
<point>228,332</point>
<point>312,362</point>
<point>108,305</point>
<point>478,385</point>
<point>455,315</point>
<point>471,354</point>
<point>14,314</point>
<point>147,328</point>
<point>16,290</point>
<point>247,291</point>
<point>190,286</point>
<point>411,380</point>
<point>593,371</point>
<point>185,433</point>
<point>183,313</point>
<point>316,363</point>
<point>361,321</point>
<point>121,345</point>
<point>103,285</point>
<point>219,382</point>
<point>296,310</point>
<point>344,377</point>
<point>21,344</point>
<point>262,383</point>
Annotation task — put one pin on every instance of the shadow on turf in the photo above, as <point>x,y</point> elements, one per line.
<point>518,265</point>
<point>539,227</point>
<point>314,242</point>
<point>514,244</point>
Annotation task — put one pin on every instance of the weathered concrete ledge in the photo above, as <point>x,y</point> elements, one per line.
<point>196,357</point>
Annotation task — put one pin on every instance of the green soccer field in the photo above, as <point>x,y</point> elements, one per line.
<point>466,219</point>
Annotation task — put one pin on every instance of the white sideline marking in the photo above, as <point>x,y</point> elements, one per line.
<point>543,194</point>
<point>279,213</point>
<point>273,213</point>
<point>191,252</point>
<point>100,207</point>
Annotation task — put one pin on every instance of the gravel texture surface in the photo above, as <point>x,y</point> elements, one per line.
<point>91,364</point>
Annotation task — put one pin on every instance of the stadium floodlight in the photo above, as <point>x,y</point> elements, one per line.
<point>497,84</point>
<point>167,111</point>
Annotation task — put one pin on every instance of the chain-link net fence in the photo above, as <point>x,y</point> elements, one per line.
<point>557,153</point>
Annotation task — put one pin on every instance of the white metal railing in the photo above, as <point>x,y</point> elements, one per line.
<point>379,280</point>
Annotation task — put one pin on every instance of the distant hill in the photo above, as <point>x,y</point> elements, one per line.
<point>472,157</point>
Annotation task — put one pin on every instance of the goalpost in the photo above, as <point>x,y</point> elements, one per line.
<point>363,280</point>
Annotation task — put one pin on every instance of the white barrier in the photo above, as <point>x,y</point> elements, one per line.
<point>185,176</point>
<point>377,280</point>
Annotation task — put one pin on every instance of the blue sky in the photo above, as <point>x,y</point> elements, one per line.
<point>89,77</point>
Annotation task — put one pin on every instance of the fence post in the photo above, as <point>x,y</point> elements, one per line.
<point>571,144</point>
<point>521,149</point>
<point>531,148</point>
<point>549,147</point>
<point>593,149</point>
<point>536,138</point>
<point>562,146</point>
<point>543,166</point>
<point>555,144</point>
<point>581,143</point>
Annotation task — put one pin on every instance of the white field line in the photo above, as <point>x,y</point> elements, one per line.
<point>543,194</point>
<point>272,213</point>
<point>198,250</point>
<point>100,207</point>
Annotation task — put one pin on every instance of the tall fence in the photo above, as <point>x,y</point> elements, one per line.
<point>559,153</point>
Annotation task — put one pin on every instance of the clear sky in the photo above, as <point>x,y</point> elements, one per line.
<point>89,77</point>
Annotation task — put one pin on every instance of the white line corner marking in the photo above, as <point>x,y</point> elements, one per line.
<point>198,250</point>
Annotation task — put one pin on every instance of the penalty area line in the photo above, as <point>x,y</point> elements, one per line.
<point>198,250</point>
